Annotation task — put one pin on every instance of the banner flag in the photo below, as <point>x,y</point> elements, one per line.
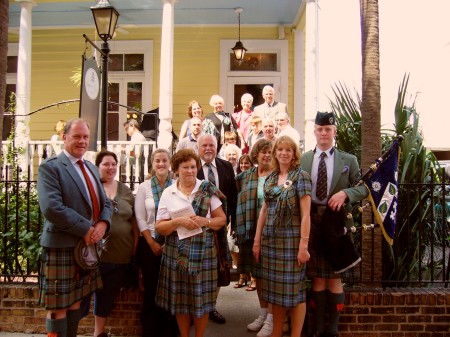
<point>383,187</point>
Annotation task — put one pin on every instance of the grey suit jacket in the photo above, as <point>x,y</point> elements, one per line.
<point>264,111</point>
<point>346,170</point>
<point>65,203</point>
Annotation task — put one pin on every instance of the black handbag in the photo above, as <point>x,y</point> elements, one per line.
<point>223,267</point>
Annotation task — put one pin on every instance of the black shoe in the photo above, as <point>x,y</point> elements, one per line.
<point>216,317</point>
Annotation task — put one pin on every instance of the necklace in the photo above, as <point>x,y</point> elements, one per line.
<point>185,191</point>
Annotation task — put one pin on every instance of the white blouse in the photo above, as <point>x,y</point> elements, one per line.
<point>144,208</point>
<point>173,199</point>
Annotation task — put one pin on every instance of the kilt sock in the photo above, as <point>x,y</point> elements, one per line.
<point>320,301</point>
<point>73,318</point>
<point>56,327</point>
<point>335,306</point>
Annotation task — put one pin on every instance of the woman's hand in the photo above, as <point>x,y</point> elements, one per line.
<point>190,223</point>
<point>257,250</point>
<point>156,248</point>
<point>303,254</point>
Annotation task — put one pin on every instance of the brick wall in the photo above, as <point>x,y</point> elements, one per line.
<point>396,312</point>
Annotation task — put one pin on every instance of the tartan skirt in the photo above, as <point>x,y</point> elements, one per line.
<point>282,279</point>
<point>62,282</point>
<point>247,262</point>
<point>180,293</point>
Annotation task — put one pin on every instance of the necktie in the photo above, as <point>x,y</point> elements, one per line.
<point>94,200</point>
<point>211,177</point>
<point>321,187</point>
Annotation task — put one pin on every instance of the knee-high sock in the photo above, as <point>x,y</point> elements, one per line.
<point>336,306</point>
<point>73,318</point>
<point>320,301</point>
<point>56,327</point>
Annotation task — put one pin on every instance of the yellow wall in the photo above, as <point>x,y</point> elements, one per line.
<point>57,53</point>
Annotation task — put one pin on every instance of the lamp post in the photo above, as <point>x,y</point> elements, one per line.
<point>105,17</point>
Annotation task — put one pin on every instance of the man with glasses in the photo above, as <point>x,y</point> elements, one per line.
<point>270,107</point>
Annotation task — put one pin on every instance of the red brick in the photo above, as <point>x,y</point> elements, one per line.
<point>433,310</point>
<point>407,310</point>
<point>382,310</point>
<point>411,327</point>
<point>368,319</point>
<point>394,318</point>
<point>418,319</point>
<point>438,327</point>
<point>441,318</point>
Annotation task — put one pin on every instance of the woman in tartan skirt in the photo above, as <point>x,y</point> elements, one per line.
<point>188,278</point>
<point>282,234</point>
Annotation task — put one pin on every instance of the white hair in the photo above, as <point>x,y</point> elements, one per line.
<point>232,148</point>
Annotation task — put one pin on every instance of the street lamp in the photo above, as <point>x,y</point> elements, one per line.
<point>105,17</point>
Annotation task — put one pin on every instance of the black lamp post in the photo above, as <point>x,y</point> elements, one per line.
<point>105,17</point>
<point>239,49</point>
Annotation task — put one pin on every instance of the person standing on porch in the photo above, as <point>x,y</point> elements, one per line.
<point>75,208</point>
<point>270,107</point>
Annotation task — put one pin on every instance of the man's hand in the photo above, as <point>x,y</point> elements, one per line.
<point>337,200</point>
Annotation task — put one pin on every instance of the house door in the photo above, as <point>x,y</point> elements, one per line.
<point>128,92</point>
<point>237,86</point>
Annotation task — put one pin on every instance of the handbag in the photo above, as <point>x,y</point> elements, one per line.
<point>223,268</point>
<point>87,256</point>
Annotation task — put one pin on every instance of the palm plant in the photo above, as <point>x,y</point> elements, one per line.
<point>417,166</point>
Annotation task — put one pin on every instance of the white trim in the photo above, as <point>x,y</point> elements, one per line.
<point>280,47</point>
<point>139,47</point>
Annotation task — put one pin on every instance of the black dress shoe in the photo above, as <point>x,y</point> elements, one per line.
<point>216,317</point>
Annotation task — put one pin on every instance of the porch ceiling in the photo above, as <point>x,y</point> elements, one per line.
<point>64,13</point>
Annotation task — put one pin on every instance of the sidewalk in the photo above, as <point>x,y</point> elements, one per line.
<point>238,306</point>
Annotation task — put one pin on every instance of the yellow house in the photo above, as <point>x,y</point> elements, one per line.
<point>196,61</point>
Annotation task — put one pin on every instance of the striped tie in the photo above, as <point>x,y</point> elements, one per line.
<point>321,187</point>
<point>211,177</point>
<point>94,199</point>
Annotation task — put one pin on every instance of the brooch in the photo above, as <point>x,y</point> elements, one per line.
<point>287,184</point>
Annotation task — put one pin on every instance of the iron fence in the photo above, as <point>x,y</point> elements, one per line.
<point>419,256</point>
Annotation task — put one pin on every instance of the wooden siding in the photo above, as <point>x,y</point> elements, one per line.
<point>56,54</point>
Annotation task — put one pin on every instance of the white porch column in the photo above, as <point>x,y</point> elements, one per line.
<point>311,71</point>
<point>166,77</point>
<point>23,91</point>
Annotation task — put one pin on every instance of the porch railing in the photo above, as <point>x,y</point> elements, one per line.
<point>140,152</point>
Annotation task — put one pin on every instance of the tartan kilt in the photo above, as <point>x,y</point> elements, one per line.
<point>62,282</point>
<point>180,293</point>
<point>318,266</point>
<point>247,262</point>
<point>283,281</point>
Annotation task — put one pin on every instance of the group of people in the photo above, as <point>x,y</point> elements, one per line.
<point>265,195</point>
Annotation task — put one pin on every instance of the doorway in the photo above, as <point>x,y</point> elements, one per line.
<point>237,86</point>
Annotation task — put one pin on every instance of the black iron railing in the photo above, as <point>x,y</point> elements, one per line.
<point>419,256</point>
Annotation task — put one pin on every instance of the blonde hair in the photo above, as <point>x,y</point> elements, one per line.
<point>293,145</point>
<point>59,127</point>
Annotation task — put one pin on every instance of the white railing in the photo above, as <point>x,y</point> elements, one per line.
<point>127,154</point>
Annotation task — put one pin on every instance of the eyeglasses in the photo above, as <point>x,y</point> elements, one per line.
<point>279,120</point>
<point>115,205</point>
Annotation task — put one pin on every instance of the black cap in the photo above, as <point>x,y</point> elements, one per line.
<point>325,118</point>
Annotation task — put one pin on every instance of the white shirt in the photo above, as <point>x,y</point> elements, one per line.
<point>329,161</point>
<point>144,208</point>
<point>173,199</point>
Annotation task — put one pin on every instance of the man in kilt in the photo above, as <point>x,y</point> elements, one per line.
<point>332,175</point>
<point>76,208</point>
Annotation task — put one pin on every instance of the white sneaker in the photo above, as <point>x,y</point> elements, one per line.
<point>257,324</point>
<point>266,330</point>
